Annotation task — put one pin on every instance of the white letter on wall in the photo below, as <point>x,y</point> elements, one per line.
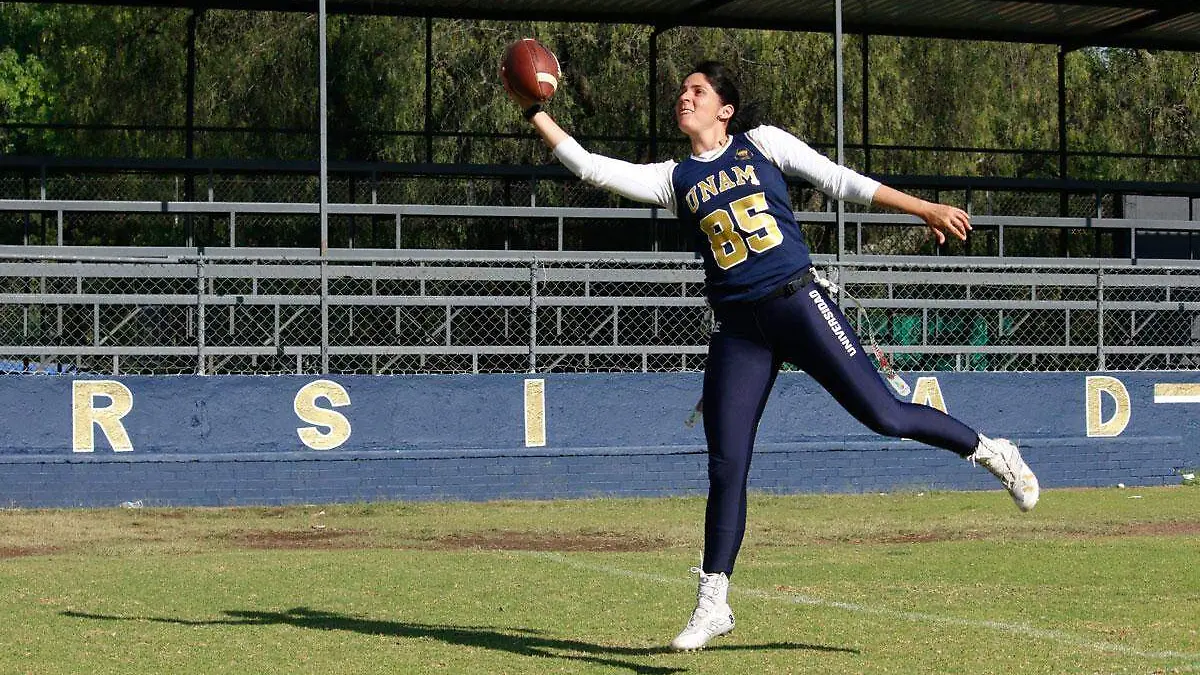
<point>85,415</point>
<point>1097,385</point>
<point>306,409</point>
<point>929,392</point>
<point>535,413</point>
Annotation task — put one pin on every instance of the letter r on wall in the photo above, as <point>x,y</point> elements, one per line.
<point>85,416</point>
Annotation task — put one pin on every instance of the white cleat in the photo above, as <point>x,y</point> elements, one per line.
<point>1003,459</point>
<point>712,616</point>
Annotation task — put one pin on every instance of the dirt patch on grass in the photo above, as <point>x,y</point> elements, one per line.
<point>615,542</point>
<point>300,539</point>
<point>1160,529</point>
<point>1121,530</point>
<point>920,538</point>
<point>549,541</point>
<point>504,540</point>
<point>928,537</point>
<point>1164,529</point>
<point>26,551</point>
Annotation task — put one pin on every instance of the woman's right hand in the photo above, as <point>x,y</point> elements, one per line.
<point>522,102</point>
<point>545,126</point>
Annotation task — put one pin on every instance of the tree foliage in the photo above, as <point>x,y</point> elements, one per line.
<point>120,73</point>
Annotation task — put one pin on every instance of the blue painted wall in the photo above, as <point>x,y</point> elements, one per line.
<point>233,439</point>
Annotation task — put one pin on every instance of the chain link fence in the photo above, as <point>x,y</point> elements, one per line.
<point>396,312</point>
<point>1085,317</point>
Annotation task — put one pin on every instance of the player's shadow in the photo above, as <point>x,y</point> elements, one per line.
<point>522,641</point>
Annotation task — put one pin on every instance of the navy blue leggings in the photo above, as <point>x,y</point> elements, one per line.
<point>808,330</point>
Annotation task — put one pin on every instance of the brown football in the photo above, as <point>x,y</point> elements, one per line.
<point>530,70</point>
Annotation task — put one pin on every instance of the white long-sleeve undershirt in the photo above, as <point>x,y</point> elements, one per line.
<point>651,183</point>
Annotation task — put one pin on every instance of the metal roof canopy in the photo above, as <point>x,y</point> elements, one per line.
<point>1149,24</point>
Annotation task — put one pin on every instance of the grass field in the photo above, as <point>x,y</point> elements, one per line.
<point>1101,580</point>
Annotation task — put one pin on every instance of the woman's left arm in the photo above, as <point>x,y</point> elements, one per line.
<point>940,218</point>
<point>795,158</point>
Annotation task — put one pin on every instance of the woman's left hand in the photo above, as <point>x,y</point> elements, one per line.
<point>940,218</point>
<point>943,220</point>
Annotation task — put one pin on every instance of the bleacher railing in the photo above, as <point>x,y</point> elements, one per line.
<point>148,310</point>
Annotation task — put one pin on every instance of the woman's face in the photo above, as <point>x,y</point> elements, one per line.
<point>698,107</point>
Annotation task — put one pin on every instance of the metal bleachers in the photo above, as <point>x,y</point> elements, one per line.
<point>237,309</point>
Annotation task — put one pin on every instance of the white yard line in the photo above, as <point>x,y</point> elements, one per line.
<point>915,617</point>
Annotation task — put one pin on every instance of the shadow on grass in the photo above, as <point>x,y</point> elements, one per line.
<point>522,641</point>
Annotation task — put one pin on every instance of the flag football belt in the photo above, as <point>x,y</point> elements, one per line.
<point>789,288</point>
<point>884,365</point>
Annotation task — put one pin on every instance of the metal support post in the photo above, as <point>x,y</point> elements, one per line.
<point>429,89</point>
<point>189,189</point>
<point>1100,362</point>
<point>1063,197</point>
<point>533,295</point>
<point>866,102</point>
<point>201,283</point>
<point>324,206</point>
<point>840,218</point>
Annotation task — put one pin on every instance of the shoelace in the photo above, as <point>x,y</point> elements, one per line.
<point>706,599</point>
<point>1000,461</point>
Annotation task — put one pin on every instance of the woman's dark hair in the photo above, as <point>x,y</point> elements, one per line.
<point>725,83</point>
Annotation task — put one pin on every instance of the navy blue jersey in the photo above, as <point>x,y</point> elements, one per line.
<point>738,206</point>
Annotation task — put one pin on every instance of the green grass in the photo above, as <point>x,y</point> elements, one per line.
<point>1092,581</point>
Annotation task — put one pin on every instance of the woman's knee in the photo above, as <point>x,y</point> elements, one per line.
<point>727,467</point>
<point>890,421</point>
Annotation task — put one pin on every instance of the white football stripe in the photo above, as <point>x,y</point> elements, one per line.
<point>916,617</point>
<point>548,78</point>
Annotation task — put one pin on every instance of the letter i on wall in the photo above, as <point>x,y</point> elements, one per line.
<point>535,413</point>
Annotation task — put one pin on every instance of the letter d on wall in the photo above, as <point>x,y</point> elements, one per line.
<point>305,405</point>
<point>85,415</point>
<point>1097,386</point>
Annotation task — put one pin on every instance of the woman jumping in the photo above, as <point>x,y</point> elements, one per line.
<point>768,304</point>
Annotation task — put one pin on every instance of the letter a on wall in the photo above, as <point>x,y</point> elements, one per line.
<point>1097,426</point>
<point>85,416</point>
<point>929,392</point>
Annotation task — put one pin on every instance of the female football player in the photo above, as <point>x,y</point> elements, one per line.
<point>768,304</point>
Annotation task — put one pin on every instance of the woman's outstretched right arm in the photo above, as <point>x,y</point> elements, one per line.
<point>647,183</point>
